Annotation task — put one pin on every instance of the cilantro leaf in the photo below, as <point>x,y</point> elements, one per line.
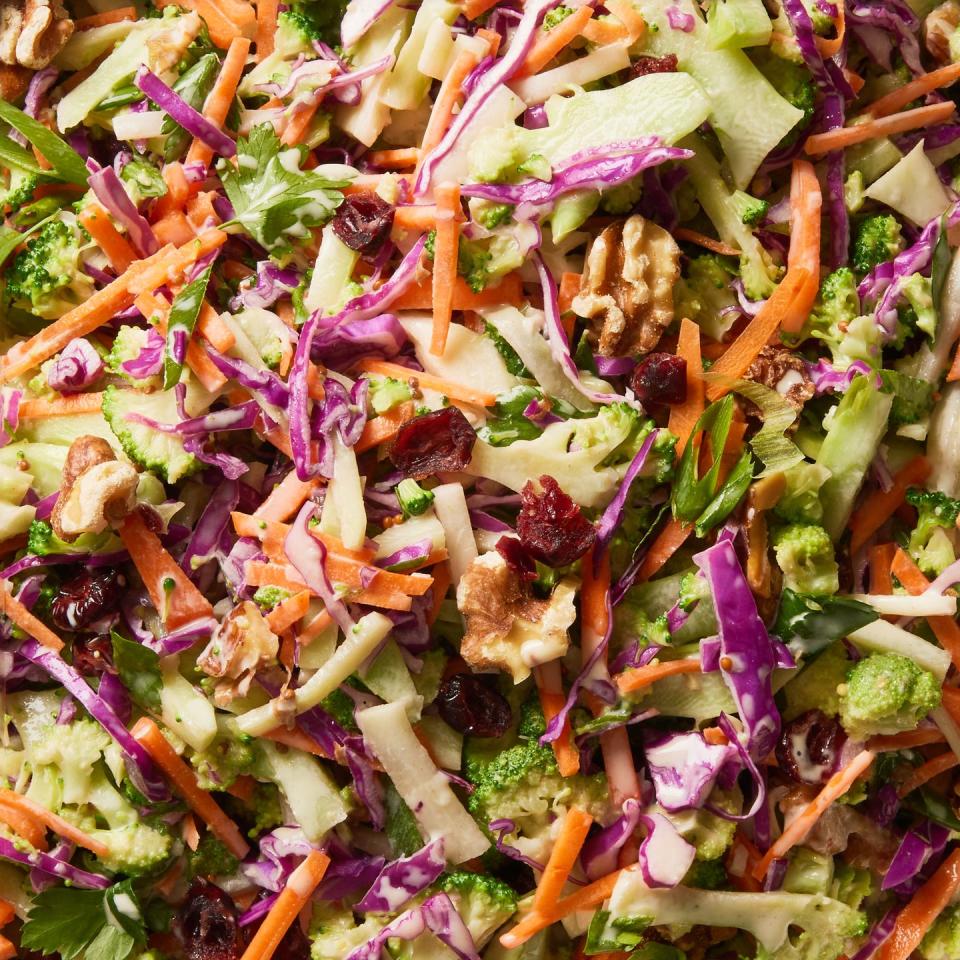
<point>139,670</point>
<point>274,200</point>
<point>110,944</point>
<point>64,920</point>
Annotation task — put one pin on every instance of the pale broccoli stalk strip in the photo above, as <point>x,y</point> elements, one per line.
<point>725,207</point>
<point>837,319</point>
<point>886,693</point>
<point>877,240</point>
<point>805,554</point>
<point>932,541</point>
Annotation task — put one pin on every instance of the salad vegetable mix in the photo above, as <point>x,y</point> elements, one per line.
<point>479,479</point>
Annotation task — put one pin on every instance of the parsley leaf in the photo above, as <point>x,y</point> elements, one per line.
<point>139,670</point>
<point>110,944</point>
<point>274,200</point>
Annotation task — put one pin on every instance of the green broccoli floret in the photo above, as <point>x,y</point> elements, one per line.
<point>913,399</point>
<point>710,834</point>
<point>46,278</point>
<point>484,902</point>
<point>919,293</point>
<point>227,758</point>
<point>335,933</point>
<point>385,393</point>
<point>43,542</point>
<point>414,500</point>
<point>705,296</point>
<point>805,555</point>
<point>532,725</point>
<point>318,21</point>
<point>809,872</point>
<point>20,190</point>
<point>162,453</point>
<point>135,849</point>
<point>555,16</point>
<point>127,345</point>
<point>621,200</point>
<point>851,885</point>
<point>482,263</point>
<point>878,239</point>
<point>266,808</point>
<point>817,685</point>
<point>942,941</point>
<point>930,544</point>
<point>886,693</point>
<point>268,597</point>
<point>492,215</point>
<point>524,784</point>
<point>800,501</point>
<point>707,875</point>
<point>750,209</point>
<point>211,858</point>
<point>836,320</point>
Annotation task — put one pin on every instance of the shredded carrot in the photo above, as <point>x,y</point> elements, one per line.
<point>385,427</point>
<point>951,702</point>
<point>742,352</point>
<point>102,19</point>
<point>201,214</point>
<point>803,823</point>
<point>212,328</point>
<point>550,689</point>
<point>602,32</point>
<point>94,219</point>
<point>243,788</point>
<point>296,739</point>
<point>7,950</point>
<point>189,832</point>
<point>449,95</point>
<point>7,913</point>
<point>441,584</point>
<point>477,8</point>
<point>831,47</point>
<point>266,27</point>
<point>880,505</point>
<point>944,628</point>
<point>296,128</point>
<point>444,263</point>
<point>908,740</point>
<point>954,374</point>
<point>171,591</point>
<point>929,770</point>
<point>845,137</point>
<point>405,158</point>
<point>573,831</point>
<point>897,99</point>
<point>636,678</point>
<point>286,498</point>
<point>454,391</point>
<point>167,266</point>
<point>881,563</point>
<point>184,781</point>
<point>415,217</point>
<point>272,535</point>
<point>174,228</point>
<point>857,83</point>
<point>24,825</point>
<point>552,41</point>
<point>293,898</point>
<point>286,613</point>
<point>806,204</point>
<point>916,918</point>
<point>569,288</point>
<point>218,102</point>
<point>684,416</point>
<point>419,296</point>
<point>57,824</point>
<point>70,405</point>
<point>670,539</point>
<point>178,191</point>
<point>740,861</point>
<point>26,621</point>
<point>627,14</point>
<point>223,26</point>
<point>708,243</point>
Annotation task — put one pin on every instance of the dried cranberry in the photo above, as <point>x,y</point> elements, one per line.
<point>363,222</point>
<point>643,66</point>
<point>471,704</point>
<point>208,924</point>
<point>551,526</point>
<point>439,441</point>
<point>85,599</point>
<point>810,746</point>
<point>93,655</point>
<point>512,550</point>
<point>151,519</point>
<point>660,378</point>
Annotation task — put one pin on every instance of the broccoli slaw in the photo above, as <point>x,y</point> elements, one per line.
<point>479,479</point>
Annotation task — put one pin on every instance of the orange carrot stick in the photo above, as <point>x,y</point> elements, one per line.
<point>57,824</point>
<point>297,126</point>
<point>449,95</point>
<point>446,251</point>
<point>880,505</point>
<point>670,539</point>
<point>184,781</point>
<point>15,611</point>
<point>477,8</point>
<point>827,47</point>
<point>416,217</point>
<point>918,915</point>
<point>806,203</point>
<point>835,788</point>
<point>286,498</point>
<point>7,950</point>
<point>627,14</point>
<point>897,99</point>
<point>563,856</point>
<point>402,159</point>
<point>174,228</point>
<point>218,102</point>
<point>845,137</point>
<point>909,740</point>
<point>292,899</point>
<point>684,416</point>
<point>881,562</point>
<point>550,43</point>
<point>383,428</point>
<point>708,243</point>
<point>636,678</point>
<point>24,825</point>
<point>93,218</point>
<point>419,296</point>
<point>266,27</point>
<point>925,773</point>
<point>178,191</point>
<point>286,613</point>
<point>550,688</point>
<point>954,374</point>
<point>67,406</point>
<point>296,739</point>
<point>454,391</point>
<point>171,591</point>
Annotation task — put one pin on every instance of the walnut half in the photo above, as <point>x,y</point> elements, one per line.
<point>98,490</point>
<point>33,32</point>
<point>627,287</point>
<point>509,629</point>
<point>941,24</point>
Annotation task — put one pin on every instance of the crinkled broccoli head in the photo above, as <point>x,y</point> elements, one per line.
<point>705,296</point>
<point>836,320</point>
<point>918,291</point>
<point>942,941</point>
<point>805,554</point>
<point>710,835</point>
<point>877,240</point>
<point>484,902</point>
<point>931,541</point>
<point>800,501</point>
<point>750,209</point>
<point>46,278</point>
<point>211,858</point>
<point>387,392</point>
<point>886,693</point>
<point>43,542</point>
<point>794,83</point>
<point>268,597</point>
<point>223,761</point>
<point>334,931</point>
<point>135,848</point>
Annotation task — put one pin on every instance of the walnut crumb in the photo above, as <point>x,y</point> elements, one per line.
<point>939,27</point>
<point>33,32</point>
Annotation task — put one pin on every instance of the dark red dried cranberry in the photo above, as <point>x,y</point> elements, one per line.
<point>363,222</point>
<point>207,923</point>
<point>471,704</point>
<point>810,746</point>
<point>551,526</point>
<point>85,599</point>
<point>437,442</point>
<point>512,550</point>
<point>151,519</point>
<point>643,66</point>
<point>93,655</point>
<point>660,378</point>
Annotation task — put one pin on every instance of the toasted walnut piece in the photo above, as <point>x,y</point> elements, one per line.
<point>11,23</point>
<point>509,629</point>
<point>939,27</point>
<point>14,82</point>
<point>166,49</point>
<point>98,490</point>
<point>33,32</point>
<point>627,287</point>
<point>240,646</point>
<point>783,371</point>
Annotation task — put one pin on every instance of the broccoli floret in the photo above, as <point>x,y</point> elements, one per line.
<point>878,239</point>
<point>555,16</point>
<point>266,808</point>
<point>886,693</point>
<point>335,933</point>
<point>800,501</point>
<point>127,345</point>
<point>913,399</point>
<point>211,858</point>
<point>809,872</point>
<point>20,189</point>
<point>710,834</point>
<point>482,263</point>
<point>71,751</point>
<point>942,941</point>
<point>162,453</point>
<point>491,215</point>
<point>484,902</point>
<point>46,278</point>
<point>318,21</point>
<point>817,685</point>
<point>268,597</point>
<point>794,83</point>
<point>930,544</point>
<point>919,293</point>
<point>385,393</point>
<point>836,320</point>
<point>707,875</point>
<point>227,758</point>
<point>621,200</point>
<point>851,885</point>
<point>532,725</point>
<point>341,708</point>
<point>524,784</point>
<point>705,296</point>
<point>805,555</point>
<point>750,209</point>
<point>43,542</point>
<point>135,848</point>
<point>414,500</point>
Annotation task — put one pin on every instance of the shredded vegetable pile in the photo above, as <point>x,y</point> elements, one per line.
<point>479,480</point>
